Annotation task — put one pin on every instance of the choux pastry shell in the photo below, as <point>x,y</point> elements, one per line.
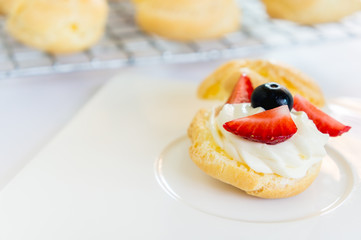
<point>55,26</point>
<point>220,83</point>
<point>187,20</point>
<point>214,161</point>
<point>311,11</point>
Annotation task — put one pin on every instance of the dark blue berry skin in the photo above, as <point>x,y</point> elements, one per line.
<point>271,95</point>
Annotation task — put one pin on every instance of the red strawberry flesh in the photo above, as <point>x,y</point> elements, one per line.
<point>242,91</point>
<point>271,127</point>
<point>324,123</point>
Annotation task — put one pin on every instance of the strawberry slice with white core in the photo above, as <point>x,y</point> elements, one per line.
<point>271,126</point>
<point>242,91</point>
<point>324,123</point>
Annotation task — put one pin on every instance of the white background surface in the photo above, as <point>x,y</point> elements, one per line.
<point>34,109</point>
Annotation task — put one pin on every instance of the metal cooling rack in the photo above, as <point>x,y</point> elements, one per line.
<point>124,44</point>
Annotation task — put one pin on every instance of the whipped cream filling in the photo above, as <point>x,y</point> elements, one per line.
<point>291,158</point>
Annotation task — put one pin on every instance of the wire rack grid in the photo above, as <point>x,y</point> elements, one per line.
<point>124,44</point>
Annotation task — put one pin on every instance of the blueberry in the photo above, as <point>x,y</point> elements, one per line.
<point>271,95</point>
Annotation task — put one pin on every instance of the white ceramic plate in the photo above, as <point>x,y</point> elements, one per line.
<point>120,170</point>
<point>183,181</point>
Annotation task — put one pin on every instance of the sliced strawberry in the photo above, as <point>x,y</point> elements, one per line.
<point>271,127</point>
<point>323,122</point>
<point>242,91</point>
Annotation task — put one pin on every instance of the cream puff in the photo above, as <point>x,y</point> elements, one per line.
<point>58,26</point>
<point>311,11</point>
<point>265,139</point>
<point>188,20</point>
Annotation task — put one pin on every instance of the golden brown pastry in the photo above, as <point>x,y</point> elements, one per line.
<point>220,83</point>
<point>208,154</point>
<point>214,161</point>
<point>55,26</point>
<point>187,20</point>
<point>311,11</point>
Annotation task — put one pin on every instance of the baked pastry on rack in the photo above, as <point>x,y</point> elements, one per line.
<point>58,26</point>
<point>311,11</point>
<point>187,20</point>
<point>265,139</point>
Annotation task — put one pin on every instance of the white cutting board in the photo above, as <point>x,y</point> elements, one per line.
<point>98,178</point>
